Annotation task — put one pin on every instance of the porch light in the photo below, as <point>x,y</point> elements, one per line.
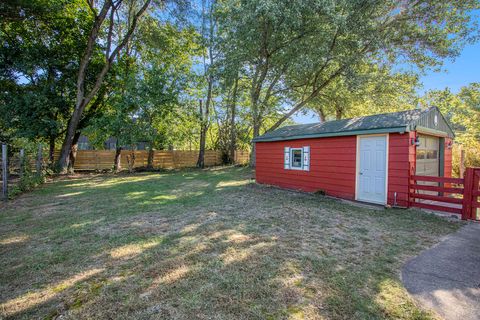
<point>449,144</point>
<point>415,141</point>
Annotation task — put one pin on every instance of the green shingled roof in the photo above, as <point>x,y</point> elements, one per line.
<point>402,121</point>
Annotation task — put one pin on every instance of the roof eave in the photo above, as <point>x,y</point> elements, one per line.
<point>433,132</point>
<point>334,134</point>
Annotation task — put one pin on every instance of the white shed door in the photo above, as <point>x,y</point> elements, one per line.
<point>428,156</point>
<point>428,163</point>
<point>372,173</point>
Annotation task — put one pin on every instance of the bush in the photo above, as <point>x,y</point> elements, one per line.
<point>472,156</point>
<point>28,180</point>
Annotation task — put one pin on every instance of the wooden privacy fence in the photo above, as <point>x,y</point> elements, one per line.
<point>164,159</point>
<point>455,195</point>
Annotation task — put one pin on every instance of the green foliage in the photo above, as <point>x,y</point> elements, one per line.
<point>145,103</point>
<point>462,111</point>
<point>41,44</point>
<point>291,52</point>
<point>28,179</point>
<point>372,89</point>
<point>261,60</point>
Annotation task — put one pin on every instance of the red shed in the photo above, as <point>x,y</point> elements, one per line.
<point>366,159</point>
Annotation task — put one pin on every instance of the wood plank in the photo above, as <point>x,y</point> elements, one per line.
<point>438,179</point>
<point>436,198</point>
<point>439,189</point>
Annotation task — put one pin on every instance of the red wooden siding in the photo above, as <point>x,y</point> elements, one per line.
<point>332,166</point>
<point>447,168</point>
<point>401,159</point>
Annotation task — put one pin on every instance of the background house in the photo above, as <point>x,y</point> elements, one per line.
<point>109,144</point>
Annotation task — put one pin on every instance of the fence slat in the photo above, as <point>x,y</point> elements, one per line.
<point>164,159</point>
<point>439,189</point>
<point>438,179</point>
<point>436,198</point>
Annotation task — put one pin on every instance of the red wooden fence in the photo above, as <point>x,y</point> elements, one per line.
<point>454,195</point>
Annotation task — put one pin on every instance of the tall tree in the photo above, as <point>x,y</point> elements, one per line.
<point>294,50</point>
<point>146,95</point>
<point>370,89</point>
<point>108,11</point>
<point>41,43</point>
<point>462,111</point>
<point>208,34</point>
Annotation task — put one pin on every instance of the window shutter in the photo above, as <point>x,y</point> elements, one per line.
<point>306,158</point>
<point>286,158</point>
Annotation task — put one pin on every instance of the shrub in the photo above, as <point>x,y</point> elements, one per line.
<point>28,179</point>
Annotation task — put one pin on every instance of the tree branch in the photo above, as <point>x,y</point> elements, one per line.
<point>115,52</point>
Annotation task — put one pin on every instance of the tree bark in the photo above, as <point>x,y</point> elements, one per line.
<point>150,158</point>
<point>73,152</point>
<point>205,117</point>
<point>51,150</point>
<point>131,160</point>
<point>338,113</point>
<point>256,133</point>
<point>80,103</point>
<point>321,114</point>
<point>233,133</point>
<point>203,133</point>
<point>117,165</point>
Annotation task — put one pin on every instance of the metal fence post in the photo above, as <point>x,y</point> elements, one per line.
<point>4,172</point>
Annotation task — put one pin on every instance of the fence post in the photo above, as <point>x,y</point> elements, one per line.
<point>4,172</point>
<point>39,160</point>
<point>467,194</point>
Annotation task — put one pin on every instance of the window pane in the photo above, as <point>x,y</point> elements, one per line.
<point>423,142</point>
<point>420,154</point>
<point>432,154</point>
<point>297,158</point>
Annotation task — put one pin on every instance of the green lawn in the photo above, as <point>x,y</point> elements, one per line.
<point>203,244</point>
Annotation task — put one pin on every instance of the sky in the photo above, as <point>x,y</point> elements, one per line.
<point>460,72</point>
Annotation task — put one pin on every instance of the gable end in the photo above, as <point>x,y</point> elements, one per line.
<point>433,120</point>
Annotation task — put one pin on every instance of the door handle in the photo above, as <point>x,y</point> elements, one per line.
<point>360,173</point>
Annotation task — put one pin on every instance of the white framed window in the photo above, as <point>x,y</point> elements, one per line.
<point>297,158</point>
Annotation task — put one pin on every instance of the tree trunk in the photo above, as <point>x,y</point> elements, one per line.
<point>73,153</point>
<point>83,98</point>
<point>51,151</point>
<point>256,133</point>
<point>233,133</point>
<point>150,158</point>
<point>321,114</point>
<point>203,133</point>
<point>117,165</point>
<point>338,113</point>
<point>131,160</point>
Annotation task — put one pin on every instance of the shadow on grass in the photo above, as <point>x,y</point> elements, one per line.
<point>172,246</point>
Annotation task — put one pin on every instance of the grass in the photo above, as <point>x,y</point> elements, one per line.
<point>204,244</point>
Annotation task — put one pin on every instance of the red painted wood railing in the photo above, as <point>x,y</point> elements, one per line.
<point>471,201</point>
<point>455,195</point>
